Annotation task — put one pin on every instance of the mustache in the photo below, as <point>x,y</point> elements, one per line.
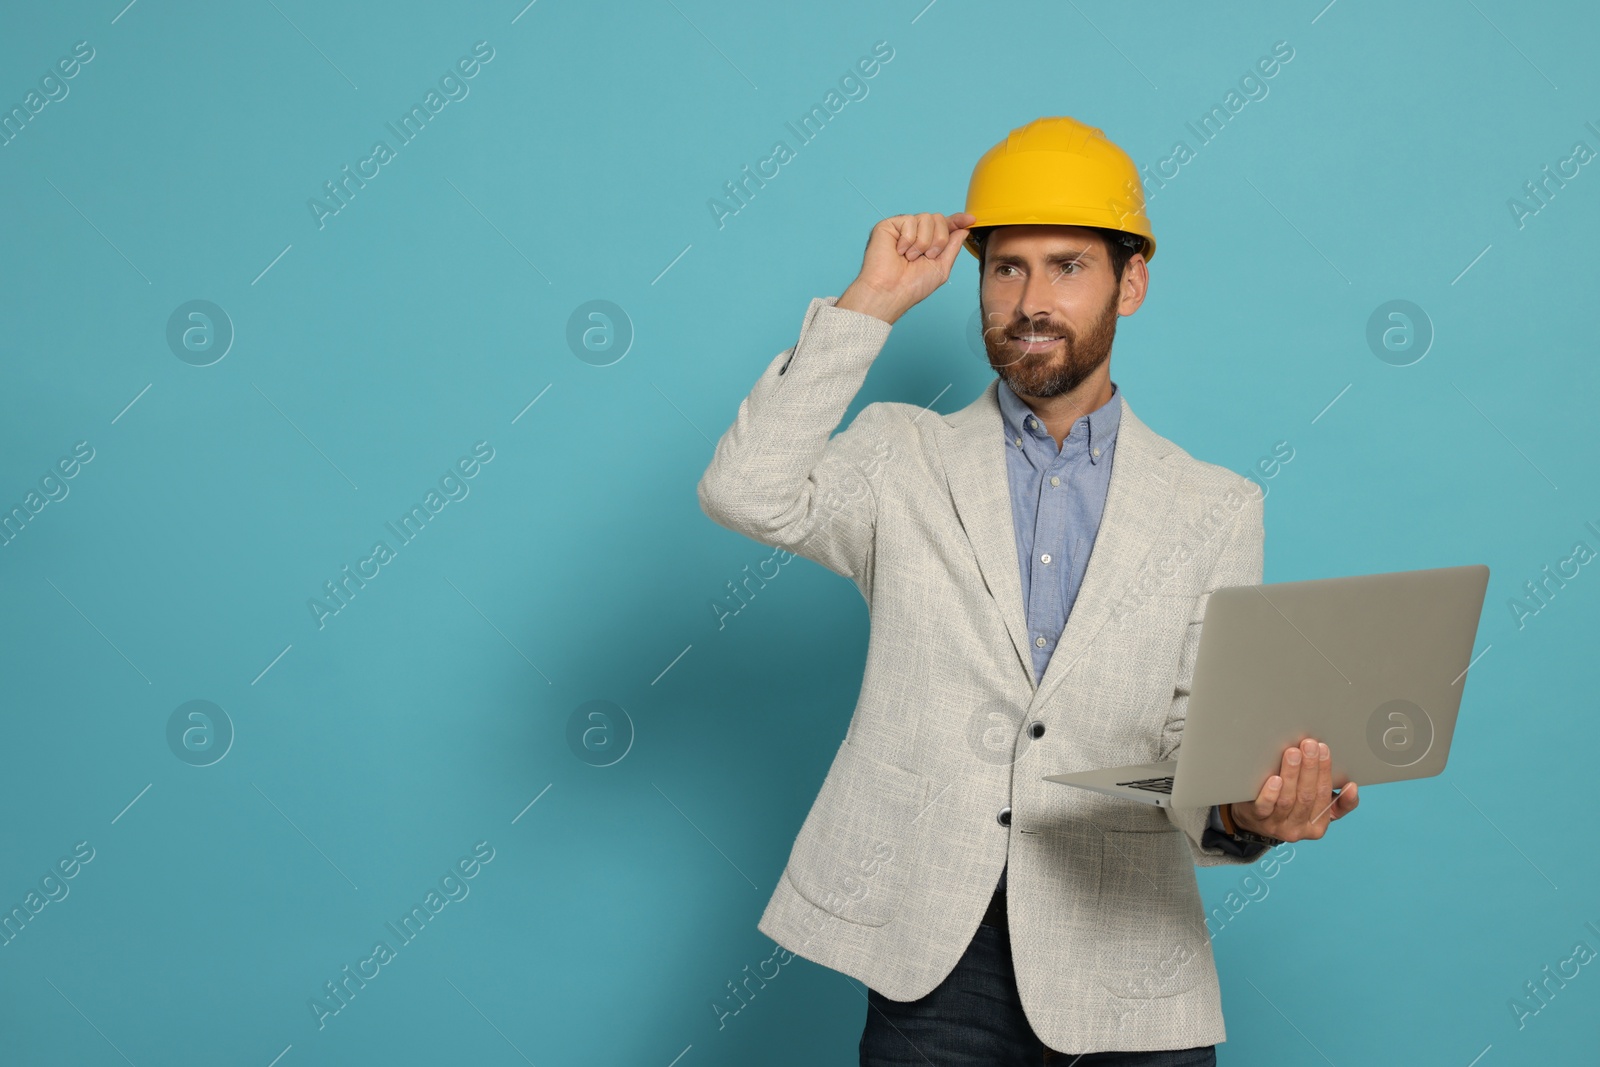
<point>1016,329</point>
<point>1005,334</point>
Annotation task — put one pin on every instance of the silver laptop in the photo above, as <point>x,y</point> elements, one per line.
<point>1374,665</point>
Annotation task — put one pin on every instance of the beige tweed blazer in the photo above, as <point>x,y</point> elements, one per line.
<point>894,864</point>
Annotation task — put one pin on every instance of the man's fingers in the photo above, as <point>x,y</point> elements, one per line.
<point>1346,802</point>
<point>908,240</point>
<point>951,234</point>
<point>906,233</point>
<point>927,232</point>
<point>1267,799</point>
<point>1324,778</point>
<point>927,235</point>
<point>1306,805</point>
<point>912,235</point>
<point>957,227</point>
<point>1290,792</point>
<point>941,237</point>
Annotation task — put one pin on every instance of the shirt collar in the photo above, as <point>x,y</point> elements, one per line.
<point>1094,433</point>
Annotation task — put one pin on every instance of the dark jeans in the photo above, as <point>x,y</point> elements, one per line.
<point>974,1019</point>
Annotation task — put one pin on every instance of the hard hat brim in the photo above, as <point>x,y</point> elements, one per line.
<point>971,242</point>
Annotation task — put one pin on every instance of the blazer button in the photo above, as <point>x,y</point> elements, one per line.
<point>1004,818</point>
<point>1036,730</point>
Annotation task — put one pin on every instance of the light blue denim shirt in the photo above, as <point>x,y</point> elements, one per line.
<point>1058,496</point>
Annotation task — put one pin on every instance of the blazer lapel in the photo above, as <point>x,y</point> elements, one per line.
<point>1137,513</point>
<point>972,446</point>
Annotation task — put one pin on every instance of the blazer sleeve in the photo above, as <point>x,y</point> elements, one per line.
<point>778,477</point>
<point>1239,563</point>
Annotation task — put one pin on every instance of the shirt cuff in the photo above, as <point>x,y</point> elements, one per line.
<point>1215,836</point>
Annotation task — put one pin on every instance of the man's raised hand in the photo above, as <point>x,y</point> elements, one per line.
<point>907,258</point>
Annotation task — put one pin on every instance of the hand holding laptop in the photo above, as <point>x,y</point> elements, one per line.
<point>1375,663</point>
<point>1297,803</point>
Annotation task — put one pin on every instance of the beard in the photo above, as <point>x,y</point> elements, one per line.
<point>1064,366</point>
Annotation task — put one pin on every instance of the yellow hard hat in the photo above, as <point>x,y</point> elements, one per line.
<point>1058,171</point>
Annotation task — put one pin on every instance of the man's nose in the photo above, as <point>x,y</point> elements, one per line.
<point>1038,296</point>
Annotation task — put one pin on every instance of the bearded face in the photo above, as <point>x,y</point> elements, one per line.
<point>1046,356</point>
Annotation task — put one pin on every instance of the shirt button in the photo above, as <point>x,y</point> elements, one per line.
<point>1039,641</point>
<point>1036,730</point>
<point>1045,558</point>
<point>1019,442</point>
<point>1054,480</point>
<point>1004,818</point>
<point>1096,453</point>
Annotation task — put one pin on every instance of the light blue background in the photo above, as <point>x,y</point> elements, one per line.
<point>430,312</point>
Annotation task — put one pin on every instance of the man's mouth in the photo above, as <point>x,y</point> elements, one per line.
<point>1035,342</point>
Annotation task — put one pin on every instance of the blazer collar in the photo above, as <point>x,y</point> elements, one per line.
<point>1139,500</point>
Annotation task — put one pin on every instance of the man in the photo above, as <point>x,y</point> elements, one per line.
<point>1037,567</point>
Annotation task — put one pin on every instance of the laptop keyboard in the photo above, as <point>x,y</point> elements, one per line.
<point>1154,785</point>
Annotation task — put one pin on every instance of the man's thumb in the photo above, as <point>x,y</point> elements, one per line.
<point>961,219</point>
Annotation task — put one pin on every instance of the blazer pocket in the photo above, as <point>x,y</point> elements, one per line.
<point>1152,938</point>
<point>855,851</point>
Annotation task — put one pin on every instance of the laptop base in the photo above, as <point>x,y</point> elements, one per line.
<point>1114,781</point>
